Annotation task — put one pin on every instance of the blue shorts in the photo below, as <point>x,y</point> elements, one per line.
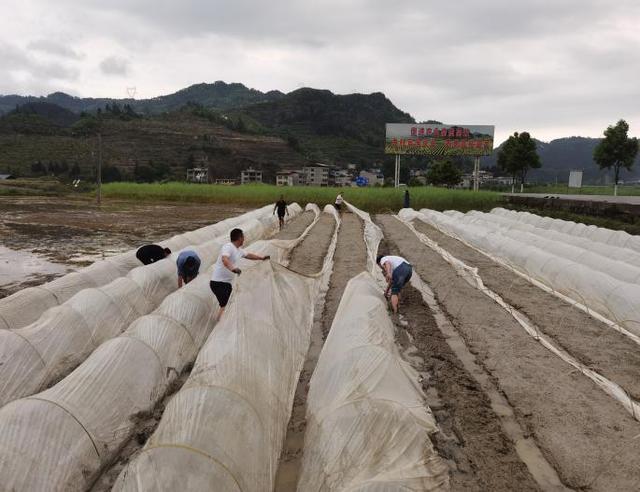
<point>400,276</point>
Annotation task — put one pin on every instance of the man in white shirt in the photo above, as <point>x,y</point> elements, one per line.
<point>226,267</point>
<point>338,202</point>
<point>398,272</point>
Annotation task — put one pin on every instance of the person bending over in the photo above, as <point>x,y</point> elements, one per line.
<point>188,266</point>
<point>398,272</point>
<point>151,253</point>
<point>281,207</point>
<point>226,267</point>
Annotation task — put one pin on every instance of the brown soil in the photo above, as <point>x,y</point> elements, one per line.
<point>349,260</point>
<point>479,453</point>
<point>295,227</point>
<point>592,342</point>
<point>590,439</point>
<point>307,258</point>
<point>147,422</point>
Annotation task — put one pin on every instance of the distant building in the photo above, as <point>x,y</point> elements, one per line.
<point>340,177</point>
<point>250,176</point>
<point>289,178</point>
<point>373,176</point>
<point>316,174</point>
<point>485,178</point>
<point>198,175</point>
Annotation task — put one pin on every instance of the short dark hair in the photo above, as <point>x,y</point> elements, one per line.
<point>378,258</point>
<point>236,234</point>
<point>190,267</point>
<point>167,251</point>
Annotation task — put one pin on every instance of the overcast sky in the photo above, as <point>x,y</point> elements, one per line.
<point>554,68</point>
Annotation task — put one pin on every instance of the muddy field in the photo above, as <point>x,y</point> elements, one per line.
<point>43,238</point>
<point>511,415</point>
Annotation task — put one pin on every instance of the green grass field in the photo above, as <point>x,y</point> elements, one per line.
<point>369,199</point>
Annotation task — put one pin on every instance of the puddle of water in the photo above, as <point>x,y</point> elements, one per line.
<point>19,266</point>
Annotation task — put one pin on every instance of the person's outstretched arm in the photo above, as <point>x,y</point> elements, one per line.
<point>252,256</point>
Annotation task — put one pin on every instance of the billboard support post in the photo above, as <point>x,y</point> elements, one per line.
<point>476,174</point>
<point>396,179</point>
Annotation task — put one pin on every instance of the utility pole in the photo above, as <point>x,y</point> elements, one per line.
<point>99,194</point>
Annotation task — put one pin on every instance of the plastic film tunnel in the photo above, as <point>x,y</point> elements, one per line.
<point>88,416</point>
<point>574,267</point>
<point>33,357</point>
<point>368,424</point>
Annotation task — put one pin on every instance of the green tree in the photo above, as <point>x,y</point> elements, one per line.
<point>111,174</point>
<point>444,173</point>
<point>616,150</point>
<point>75,171</point>
<point>518,155</point>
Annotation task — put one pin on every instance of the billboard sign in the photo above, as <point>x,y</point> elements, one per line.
<point>439,140</point>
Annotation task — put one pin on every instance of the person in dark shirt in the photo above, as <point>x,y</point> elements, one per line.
<point>151,253</point>
<point>407,199</point>
<point>281,208</point>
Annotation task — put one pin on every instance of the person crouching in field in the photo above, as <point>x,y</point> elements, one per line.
<point>226,267</point>
<point>150,253</point>
<point>398,272</point>
<point>281,208</point>
<point>188,263</point>
<point>338,203</point>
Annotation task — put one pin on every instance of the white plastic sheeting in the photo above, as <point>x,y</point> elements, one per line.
<point>60,439</point>
<point>27,305</point>
<point>224,430</point>
<point>471,275</point>
<point>593,281</point>
<point>33,357</point>
<point>368,425</point>
<point>372,237</point>
<point>620,239</point>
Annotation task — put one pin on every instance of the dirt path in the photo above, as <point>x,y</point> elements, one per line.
<point>583,433</point>
<point>147,422</point>
<point>349,260</point>
<point>479,453</point>
<point>592,342</point>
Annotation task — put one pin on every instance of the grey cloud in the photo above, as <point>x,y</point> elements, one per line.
<point>20,71</point>
<point>517,64</point>
<point>114,65</point>
<point>54,48</point>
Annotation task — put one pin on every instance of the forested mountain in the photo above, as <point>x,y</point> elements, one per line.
<point>229,127</point>
<point>219,95</point>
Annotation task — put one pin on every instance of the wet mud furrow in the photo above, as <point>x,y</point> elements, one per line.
<point>586,436</point>
<point>350,259</point>
<point>479,453</point>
